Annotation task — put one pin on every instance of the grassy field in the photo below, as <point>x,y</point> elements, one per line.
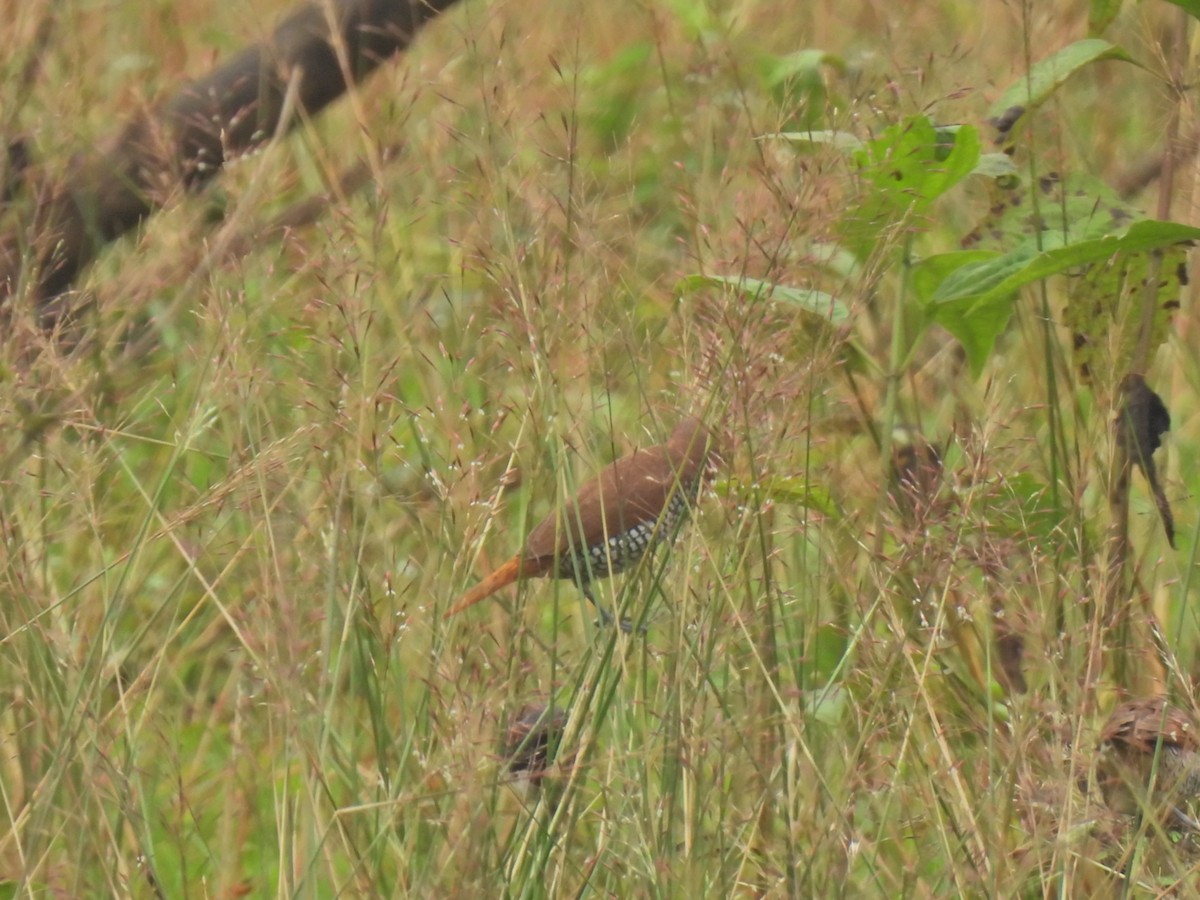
<point>238,501</point>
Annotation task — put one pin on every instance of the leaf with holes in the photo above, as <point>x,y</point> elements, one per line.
<point>1047,76</point>
<point>1071,208</point>
<point>1002,276</point>
<point>1104,307</point>
<point>903,171</point>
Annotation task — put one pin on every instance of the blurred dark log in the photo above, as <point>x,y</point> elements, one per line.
<point>1138,176</point>
<point>309,61</point>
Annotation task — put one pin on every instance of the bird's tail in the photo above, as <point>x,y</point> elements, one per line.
<point>502,577</point>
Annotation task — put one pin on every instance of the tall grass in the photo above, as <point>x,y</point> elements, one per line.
<point>237,502</point>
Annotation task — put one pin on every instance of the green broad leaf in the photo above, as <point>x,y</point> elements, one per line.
<point>971,293</point>
<point>1067,209</point>
<point>976,326</point>
<point>839,140</point>
<point>927,275</point>
<point>1101,14</point>
<point>835,259</point>
<point>1001,277</point>
<point>996,165</point>
<point>812,302</point>
<point>799,492</point>
<point>1047,75</point>
<point>915,162</point>
<point>802,65</point>
<point>1191,7</point>
<point>798,84</point>
<point>1104,308</point>
<point>903,171</point>
<point>992,276</point>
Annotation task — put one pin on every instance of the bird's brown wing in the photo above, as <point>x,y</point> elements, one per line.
<point>632,491</point>
<point>1137,724</point>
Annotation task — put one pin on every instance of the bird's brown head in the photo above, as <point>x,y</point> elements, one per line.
<point>532,741</point>
<point>1148,740</point>
<point>693,445</point>
<point>1138,726</point>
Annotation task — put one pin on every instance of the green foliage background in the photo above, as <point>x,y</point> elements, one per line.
<point>233,514</point>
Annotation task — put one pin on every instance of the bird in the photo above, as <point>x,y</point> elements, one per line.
<point>1149,737</point>
<point>532,741</point>
<point>1140,425</point>
<point>629,508</point>
<point>916,475</point>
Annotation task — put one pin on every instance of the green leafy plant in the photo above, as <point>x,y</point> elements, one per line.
<point>900,176</point>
